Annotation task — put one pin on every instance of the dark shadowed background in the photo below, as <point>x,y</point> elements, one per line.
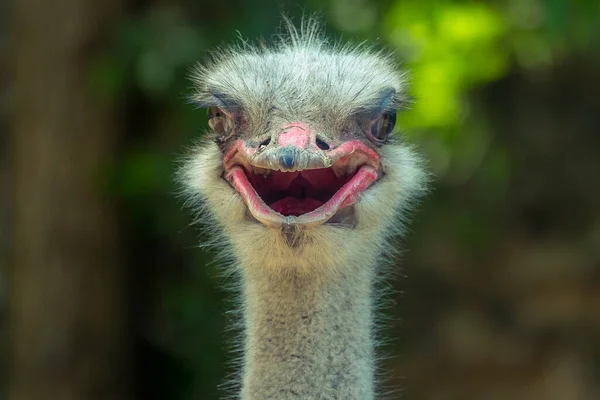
<point>104,293</point>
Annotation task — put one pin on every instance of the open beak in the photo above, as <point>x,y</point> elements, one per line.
<point>293,181</point>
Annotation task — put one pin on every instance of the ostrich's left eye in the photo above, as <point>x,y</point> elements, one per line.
<point>383,126</point>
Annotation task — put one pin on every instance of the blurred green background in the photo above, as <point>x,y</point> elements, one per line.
<point>105,293</point>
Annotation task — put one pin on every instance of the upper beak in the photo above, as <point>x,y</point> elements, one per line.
<point>294,149</point>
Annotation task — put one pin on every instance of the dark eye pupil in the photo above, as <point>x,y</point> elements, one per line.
<point>384,125</point>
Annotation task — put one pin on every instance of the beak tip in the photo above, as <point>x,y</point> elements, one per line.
<point>287,158</point>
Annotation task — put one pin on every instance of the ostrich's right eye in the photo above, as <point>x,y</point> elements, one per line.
<point>219,121</point>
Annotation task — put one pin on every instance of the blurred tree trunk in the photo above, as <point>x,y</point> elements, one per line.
<point>4,198</point>
<point>68,304</point>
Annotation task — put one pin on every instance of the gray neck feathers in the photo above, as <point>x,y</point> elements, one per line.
<point>308,337</point>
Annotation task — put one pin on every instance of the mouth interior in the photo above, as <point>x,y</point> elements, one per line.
<point>297,193</point>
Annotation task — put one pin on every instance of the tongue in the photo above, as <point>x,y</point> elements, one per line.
<point>293,206</point>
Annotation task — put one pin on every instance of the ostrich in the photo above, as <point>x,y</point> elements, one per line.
<point>303,186</point>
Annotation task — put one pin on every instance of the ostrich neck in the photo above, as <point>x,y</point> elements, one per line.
<point>308,337</point>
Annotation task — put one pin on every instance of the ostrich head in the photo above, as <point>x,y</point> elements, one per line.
<point>301,166</point>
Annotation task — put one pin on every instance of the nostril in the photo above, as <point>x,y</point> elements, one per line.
<point>322,144</point>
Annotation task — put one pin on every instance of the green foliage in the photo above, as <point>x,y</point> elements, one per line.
<point>449,49</point>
